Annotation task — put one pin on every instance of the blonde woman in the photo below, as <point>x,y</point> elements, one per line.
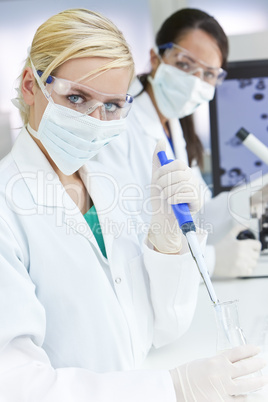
<point>81,307</point>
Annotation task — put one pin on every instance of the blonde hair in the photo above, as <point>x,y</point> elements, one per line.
<point>72,34</point>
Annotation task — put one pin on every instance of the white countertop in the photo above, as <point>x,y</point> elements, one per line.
<point>200,339</point>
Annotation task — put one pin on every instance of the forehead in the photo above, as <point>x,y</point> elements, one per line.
<point>115,80</point>
<point>202,45</point>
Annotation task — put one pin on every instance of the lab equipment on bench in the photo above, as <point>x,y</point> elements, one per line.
<point>258,148</point>
<point>248,205</point>
<point>253,144</point>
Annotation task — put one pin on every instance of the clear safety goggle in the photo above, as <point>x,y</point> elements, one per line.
<point>184,60</point>
<point>86,100</point>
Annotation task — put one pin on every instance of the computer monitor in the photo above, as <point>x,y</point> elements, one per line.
<point>241,101</point>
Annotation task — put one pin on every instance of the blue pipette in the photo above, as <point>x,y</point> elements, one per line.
<point>188,228</point>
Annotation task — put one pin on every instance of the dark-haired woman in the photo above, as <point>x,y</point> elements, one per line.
<point>186,66</point>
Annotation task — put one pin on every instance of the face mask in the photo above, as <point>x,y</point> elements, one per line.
<point>72,138</point>
<point>178,94</point>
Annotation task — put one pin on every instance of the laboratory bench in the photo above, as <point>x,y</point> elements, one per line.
<point>200,341</point>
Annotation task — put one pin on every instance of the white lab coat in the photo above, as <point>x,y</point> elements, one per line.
<point>72,322</point>
<point>134,151</point>
<point>144,130</point>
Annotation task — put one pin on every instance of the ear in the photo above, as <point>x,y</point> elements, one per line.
<point>154,59</point>
<point>28,86</point>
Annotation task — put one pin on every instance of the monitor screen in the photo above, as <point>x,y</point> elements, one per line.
<point>240,101</point>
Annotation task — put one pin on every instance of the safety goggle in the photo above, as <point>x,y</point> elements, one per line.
<point>184,60</point>
<point>86,100</point>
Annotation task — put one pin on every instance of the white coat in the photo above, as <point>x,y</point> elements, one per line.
<point>144,130</point>
<point>72,322</point>
<point>135,149</point>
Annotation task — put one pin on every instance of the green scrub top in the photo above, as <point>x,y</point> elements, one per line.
<point>92,219</point>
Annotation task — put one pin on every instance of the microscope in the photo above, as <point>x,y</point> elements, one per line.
<point>258,199</point>
<point>259,211</point>
<point>248,205</point>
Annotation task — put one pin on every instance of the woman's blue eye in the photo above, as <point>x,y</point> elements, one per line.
<point>75,99</point>
<point>110,107</point>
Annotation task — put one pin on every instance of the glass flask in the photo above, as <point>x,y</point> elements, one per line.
<point>229,332</point>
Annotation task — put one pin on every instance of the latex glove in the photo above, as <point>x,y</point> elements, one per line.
<point>218,378</point>
<point>236,257</point>
<point>171,184</point>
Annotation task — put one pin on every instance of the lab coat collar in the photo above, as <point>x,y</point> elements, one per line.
<point>104,190</point>
<point>47,190</point>
<point>94,181</point>
<point>39,176</point>
<point>41,179</point>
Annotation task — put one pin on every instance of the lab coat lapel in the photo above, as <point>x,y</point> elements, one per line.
<point>104,191</point>
<point>39,176</point>
<point>73,216</point>
<point>45,186</point>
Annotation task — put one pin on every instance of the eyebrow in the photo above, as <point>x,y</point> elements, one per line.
<point>79,91</point>
<point>190,57</point>
<point>118,99</point>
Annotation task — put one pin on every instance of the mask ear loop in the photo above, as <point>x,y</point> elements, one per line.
<point>49,78</point>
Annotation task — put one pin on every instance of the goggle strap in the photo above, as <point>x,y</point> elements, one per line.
<point>49,78</point>
<point>39,81</point>
<point>168,45</point>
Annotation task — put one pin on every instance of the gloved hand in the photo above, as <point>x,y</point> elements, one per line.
<point>171,184</point>
<point>236,257</point>
<point>217,379</point>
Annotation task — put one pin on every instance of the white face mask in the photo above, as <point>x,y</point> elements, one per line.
<point>72,138</point>
<point>177,93</point>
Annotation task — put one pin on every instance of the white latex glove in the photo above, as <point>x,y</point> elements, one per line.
<point>236,257</point>
<point>171,184</point>
<point>219,378</point>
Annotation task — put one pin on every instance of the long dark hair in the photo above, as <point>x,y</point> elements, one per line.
<point>173,28</point>
<point>179,23</point>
